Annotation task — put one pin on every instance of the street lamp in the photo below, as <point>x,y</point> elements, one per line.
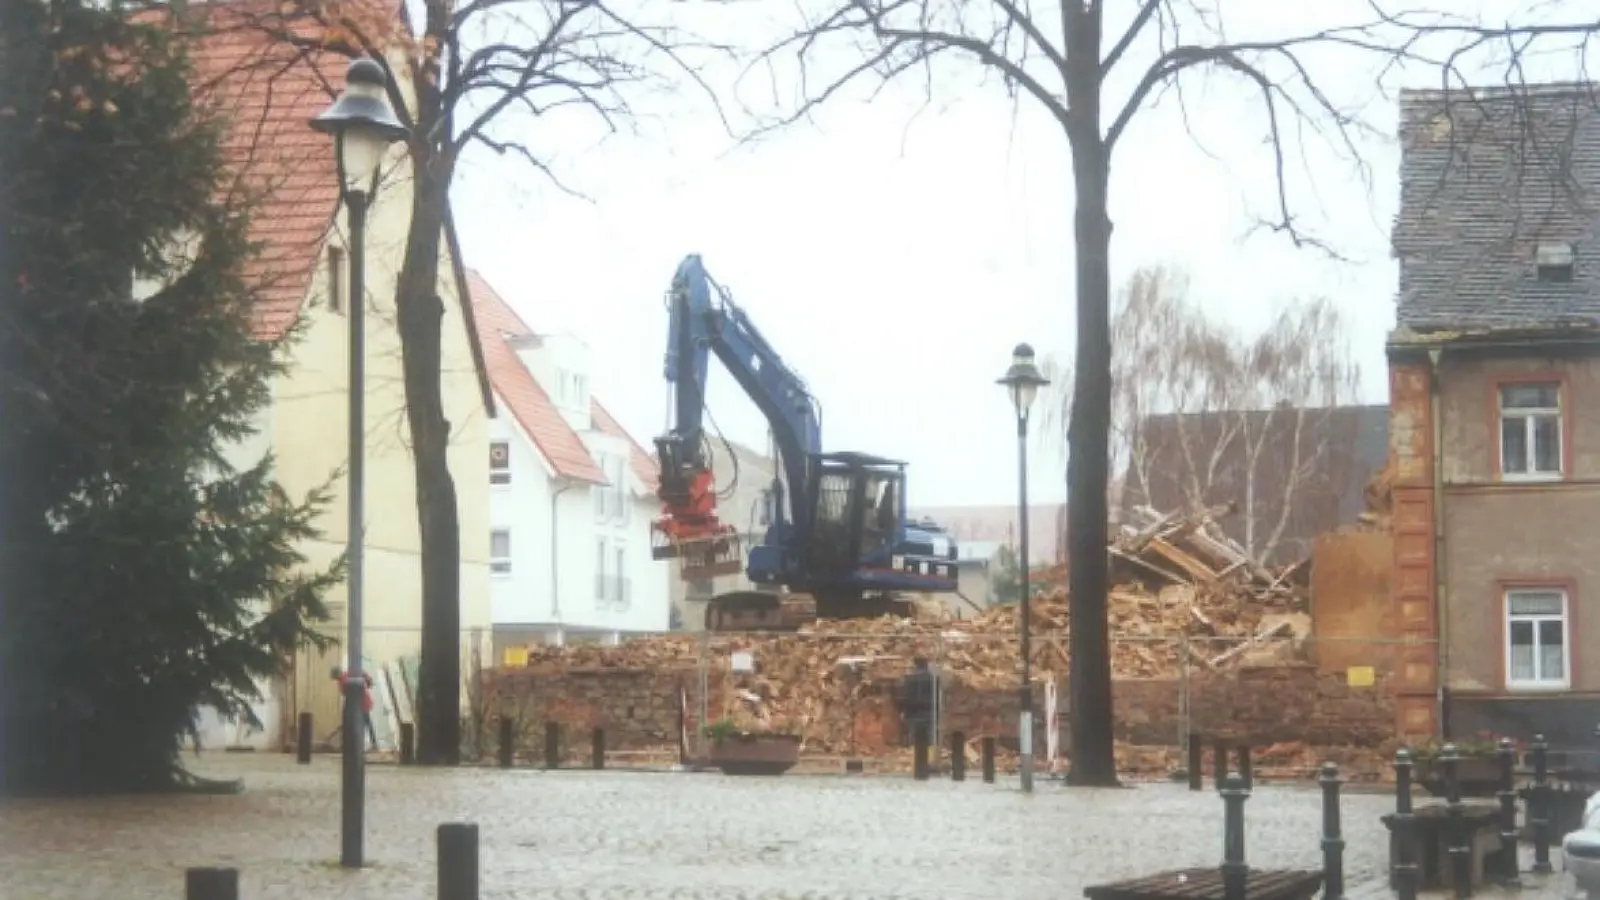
<point>363,126</point>
<point>1023,381</point>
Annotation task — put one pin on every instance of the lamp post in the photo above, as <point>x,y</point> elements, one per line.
<point>1023,381</point>
<point>363,125</point>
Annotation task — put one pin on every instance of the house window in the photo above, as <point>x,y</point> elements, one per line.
<point>1554,263</point>
<point>336,272</point>
<point>1530,430</point>
<point>620,582</point>
<point>500,551</point>
<point>1537,641</point>
<point>499,462</point>
<point>600,560</point>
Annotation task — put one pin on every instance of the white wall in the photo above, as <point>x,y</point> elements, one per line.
<point>555,586</point>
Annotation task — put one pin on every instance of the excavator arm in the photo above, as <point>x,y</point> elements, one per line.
<point>704,322</point>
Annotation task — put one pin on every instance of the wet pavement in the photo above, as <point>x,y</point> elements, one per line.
<point>637,836</point>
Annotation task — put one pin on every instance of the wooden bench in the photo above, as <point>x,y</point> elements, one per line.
<point>1432,824</point>
<point>1206,884</point>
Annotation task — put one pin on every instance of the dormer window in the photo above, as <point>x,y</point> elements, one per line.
<point>1554,263</point>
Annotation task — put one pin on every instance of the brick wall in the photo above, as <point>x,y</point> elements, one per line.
<point>639,709</point>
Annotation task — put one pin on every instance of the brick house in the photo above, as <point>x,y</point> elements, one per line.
<point>1494,370</point>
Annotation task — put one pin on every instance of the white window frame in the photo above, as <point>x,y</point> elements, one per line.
<point>500,566</point>
<point>620,580</point>
<point>1565,618</point>
<point>500,476</point>
<point>1530,416</point>
<point>602,552</point>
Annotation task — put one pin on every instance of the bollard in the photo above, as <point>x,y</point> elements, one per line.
<point>408,743</point>
<point>302,740</point>
<point>1539,805</point>
<point>1405,875</point>
<point>958,756</point>
<point>988,760</point>
<point>1332,835</point>
<point>1234,868</point>
<point>458,861</point>
<point>508,747</point>
<point>552,745</point>
<point>598,758</point>
<point>211,884</point>
<point>1507,856</point>
<point>1460,853</point>
<point>919,757</point>
<point>1219,762</point>
<point>1246,770</point>
<point>1196,762</point>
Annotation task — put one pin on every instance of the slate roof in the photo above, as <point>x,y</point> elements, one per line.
<point>529,403</point>
<point>1486,175</point>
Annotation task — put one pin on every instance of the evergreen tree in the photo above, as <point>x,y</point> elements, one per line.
<point>142,576</point>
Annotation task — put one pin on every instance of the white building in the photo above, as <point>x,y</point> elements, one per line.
<point>571,495</point>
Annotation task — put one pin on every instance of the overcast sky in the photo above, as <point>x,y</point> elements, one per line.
<point>894,254</point>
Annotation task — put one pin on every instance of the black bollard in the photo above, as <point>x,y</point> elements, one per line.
<point>552,745</point>
<point>1406,875</point>
<point>988,760</point>
<point>1219,762</point>
<point>211,884</point>
<point>1539,805</point>
<point>1460,852</point>
<point>1234,868</point>
<point>458,861</point>
<point>508,748</point>
<point>1332,835</point>
<point>408,743</point>
<point>1508,815</point>
<point>1197,748</point>
<point>1246,770</point>
<point>958,756</point>
<point>598,759</point>
<point>302,740</point>
<point>919,757</point>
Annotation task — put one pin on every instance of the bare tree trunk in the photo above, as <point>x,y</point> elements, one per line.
<point>1089,433</point>
<point>420,314</point>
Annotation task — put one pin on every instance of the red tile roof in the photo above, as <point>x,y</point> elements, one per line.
<point>644,465</point>
<point>270,89</point>
<point>529,404</point>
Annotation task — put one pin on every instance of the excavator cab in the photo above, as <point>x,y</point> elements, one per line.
<point>688,529</point>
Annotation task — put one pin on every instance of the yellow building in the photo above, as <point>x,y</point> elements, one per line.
<point>270,91</point>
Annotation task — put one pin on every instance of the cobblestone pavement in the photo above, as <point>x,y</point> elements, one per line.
<point>636,836</point>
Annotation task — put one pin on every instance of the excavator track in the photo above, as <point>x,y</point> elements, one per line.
<point>766,611</point>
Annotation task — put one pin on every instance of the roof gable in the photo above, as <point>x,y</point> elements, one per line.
<point>1485,176</point>
<point>644,466</point>
<point>526,399</point>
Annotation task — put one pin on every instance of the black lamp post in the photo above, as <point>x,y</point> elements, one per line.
<point>363,125</point>
<point>1023,381</point>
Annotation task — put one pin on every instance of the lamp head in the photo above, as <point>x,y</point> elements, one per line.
<point>362,123</point>
<point>1023,380</point>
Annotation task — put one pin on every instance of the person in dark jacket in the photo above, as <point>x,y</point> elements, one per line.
<point>916,699</point>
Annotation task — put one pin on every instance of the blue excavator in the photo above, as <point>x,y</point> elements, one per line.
<point>837,539</point>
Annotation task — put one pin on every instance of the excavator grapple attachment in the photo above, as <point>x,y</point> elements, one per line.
<point>700,556</point>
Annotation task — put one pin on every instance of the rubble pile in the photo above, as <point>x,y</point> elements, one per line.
<point>1184,590</point>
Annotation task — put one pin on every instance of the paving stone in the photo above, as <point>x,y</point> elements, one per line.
<point>584,835</point>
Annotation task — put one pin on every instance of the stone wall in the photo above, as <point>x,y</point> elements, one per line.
<point>640,709</point>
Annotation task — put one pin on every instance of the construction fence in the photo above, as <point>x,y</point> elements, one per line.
<point>1294,700</point>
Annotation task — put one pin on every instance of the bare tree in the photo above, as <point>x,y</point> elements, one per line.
<point>484,73</point>
<point>1203,417</point>
<point>1067,58</point>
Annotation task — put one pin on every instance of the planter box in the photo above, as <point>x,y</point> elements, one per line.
<point>754,754</point>
<point>1479,776</point>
